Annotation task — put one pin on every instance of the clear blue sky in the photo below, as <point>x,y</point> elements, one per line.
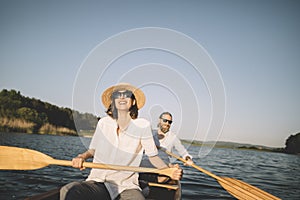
<point>255,46</point>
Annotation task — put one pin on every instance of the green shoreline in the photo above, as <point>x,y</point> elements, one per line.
<point>233,145</point>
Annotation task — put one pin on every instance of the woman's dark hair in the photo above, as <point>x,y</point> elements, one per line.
<point>113,112</point>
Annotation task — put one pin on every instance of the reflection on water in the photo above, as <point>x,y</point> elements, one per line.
<point>275,173</point>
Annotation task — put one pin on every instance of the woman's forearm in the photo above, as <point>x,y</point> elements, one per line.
<point>88,154</point>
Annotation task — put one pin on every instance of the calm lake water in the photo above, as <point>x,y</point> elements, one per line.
<point>275,173</point>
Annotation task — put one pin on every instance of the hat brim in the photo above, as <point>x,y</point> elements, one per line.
<point>139,95</point>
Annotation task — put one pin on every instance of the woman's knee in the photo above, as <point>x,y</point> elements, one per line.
<point>66,192</point>
<point>83,191</point>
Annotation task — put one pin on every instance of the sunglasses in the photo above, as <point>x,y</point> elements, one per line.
<point>124,94</point>
<point>166,120</point>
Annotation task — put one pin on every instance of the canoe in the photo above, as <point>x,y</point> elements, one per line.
<point>151,191</point>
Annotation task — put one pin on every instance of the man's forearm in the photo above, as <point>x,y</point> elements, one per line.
<point>157,162</point>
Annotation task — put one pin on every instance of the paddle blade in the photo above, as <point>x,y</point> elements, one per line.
<point>242,190</point>
<point>14,158</point>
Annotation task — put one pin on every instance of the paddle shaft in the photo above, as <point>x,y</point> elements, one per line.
<point>15,158</point>
<point>235,187</point>
<point>117,167</point>
<point>166,171</point>
<point>172,187</point>
<point>193,165</point>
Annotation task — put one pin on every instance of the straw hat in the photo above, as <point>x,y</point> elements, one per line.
<point>139,95</point>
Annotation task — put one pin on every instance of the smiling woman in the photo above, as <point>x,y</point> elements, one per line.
<point>123,98</point>
<point>120,139</point>
<point>113,90</point>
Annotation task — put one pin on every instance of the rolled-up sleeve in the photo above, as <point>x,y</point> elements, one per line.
<point>181,149</point>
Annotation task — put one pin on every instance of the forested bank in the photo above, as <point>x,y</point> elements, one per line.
<point>23,114</point>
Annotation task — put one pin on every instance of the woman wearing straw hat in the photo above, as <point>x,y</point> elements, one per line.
<point>120,138</point>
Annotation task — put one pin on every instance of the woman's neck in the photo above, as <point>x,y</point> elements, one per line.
<point>123,115</point>
<point>123,121</point>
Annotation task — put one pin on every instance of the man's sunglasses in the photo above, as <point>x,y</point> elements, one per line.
<point>124,94</point>
<point>166,120</point>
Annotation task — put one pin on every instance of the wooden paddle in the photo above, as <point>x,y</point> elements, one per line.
<point>172,187</point>
<point>236,188</point>
<point>15,158</point>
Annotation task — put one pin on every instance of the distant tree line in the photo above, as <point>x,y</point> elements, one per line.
<point>292,145</point>
<point>19,113</point>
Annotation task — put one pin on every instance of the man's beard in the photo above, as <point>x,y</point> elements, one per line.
<point>164,129</point>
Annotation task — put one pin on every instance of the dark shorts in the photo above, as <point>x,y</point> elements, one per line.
<point>92,190</point>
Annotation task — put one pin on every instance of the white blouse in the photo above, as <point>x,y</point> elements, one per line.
<point>124,149</point>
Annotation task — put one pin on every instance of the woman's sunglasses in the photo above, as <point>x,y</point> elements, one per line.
<point>124,94</point>
<point>166,120</point>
